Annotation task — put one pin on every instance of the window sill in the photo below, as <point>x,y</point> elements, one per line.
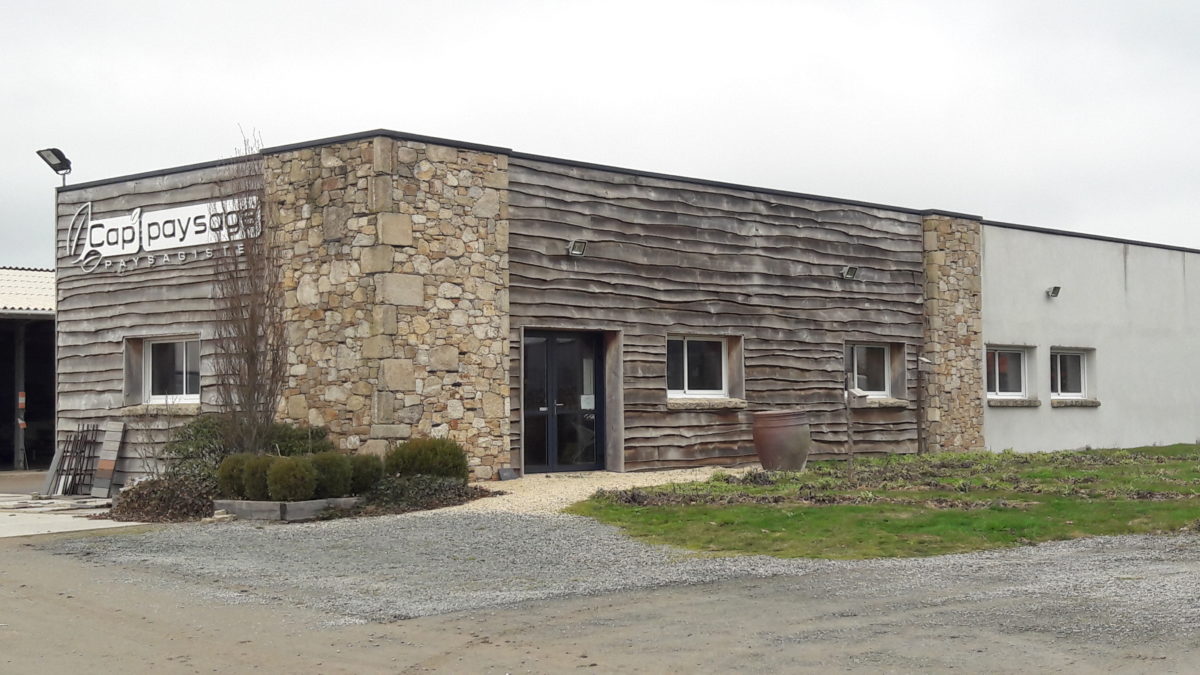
<point>144,409</point>
<point>1013,402</point>
<point>715,403</point>
<point>1074,403</point>
<point>881,402</point>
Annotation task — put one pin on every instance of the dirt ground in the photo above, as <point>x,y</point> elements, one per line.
<point>59,613</point>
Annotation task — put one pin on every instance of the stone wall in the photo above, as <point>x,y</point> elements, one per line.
<point>954,390</point>
<point>396,275</point>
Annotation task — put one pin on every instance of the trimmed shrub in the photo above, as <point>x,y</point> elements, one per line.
<point>196,449</point>
<point>164,500</point>
<point>254,477</point>
<point>428,457</point>
<point>230,477</point>
<point>288,440</point>
<point>292,479</point>
<point>333,474</point>
<point>365,472</point>
<point>398,494</point>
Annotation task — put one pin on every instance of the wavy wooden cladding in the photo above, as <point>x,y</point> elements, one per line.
<point>98,310</point>
<point>669,256</point>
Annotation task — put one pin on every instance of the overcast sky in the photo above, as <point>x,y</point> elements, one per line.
<point>1070,115</point>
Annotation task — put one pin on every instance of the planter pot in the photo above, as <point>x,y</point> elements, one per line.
<point>284,511</point>
<point>782,440</point>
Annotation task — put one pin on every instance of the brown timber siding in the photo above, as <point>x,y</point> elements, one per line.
<point>99,310</point>
<point>671,256</point>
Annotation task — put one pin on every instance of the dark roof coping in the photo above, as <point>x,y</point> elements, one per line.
<point>228,161</point>
<point>1085,235</point>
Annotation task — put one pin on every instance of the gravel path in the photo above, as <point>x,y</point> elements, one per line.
<point>517,547</point>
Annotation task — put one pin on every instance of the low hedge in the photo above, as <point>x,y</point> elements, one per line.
<point>428,457</point>
<point>292,479</point>
<point>333,474</point>
<point>254,477</point>
<point>365,472</point>
<point>231,482</point>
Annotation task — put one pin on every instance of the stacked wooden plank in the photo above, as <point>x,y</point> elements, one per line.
<point>110,449</point>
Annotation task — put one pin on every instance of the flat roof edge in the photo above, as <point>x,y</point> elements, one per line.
<point>386,133</point>
<point>228,161</point>
<point>1085,235</point>
<point>735,186</point>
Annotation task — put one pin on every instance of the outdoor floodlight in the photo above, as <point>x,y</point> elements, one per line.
<point>1053,291</point>
<point>849,272</point>
<point>576,247</point>
<point>56,160</point>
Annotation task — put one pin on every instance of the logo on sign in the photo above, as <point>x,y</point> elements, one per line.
<point>143,237</point>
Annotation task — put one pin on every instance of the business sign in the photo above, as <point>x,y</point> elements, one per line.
<point>145,238</point>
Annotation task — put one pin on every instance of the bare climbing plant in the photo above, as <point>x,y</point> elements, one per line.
<point>249,359</point>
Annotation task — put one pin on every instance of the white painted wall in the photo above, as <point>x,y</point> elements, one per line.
<point>1137,306</point>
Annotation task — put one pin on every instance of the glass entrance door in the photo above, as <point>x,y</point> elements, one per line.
<point>562,402</point>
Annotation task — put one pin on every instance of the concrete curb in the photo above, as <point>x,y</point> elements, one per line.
<point>284,511</point>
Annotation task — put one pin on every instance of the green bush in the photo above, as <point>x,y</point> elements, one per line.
<point>288,440</point>
<point>398,494</point>
<point>333,474</point>
<point>164,500</point>
<point>427,457</point>
<point>254,477</point>
<point>365,472</point>
<point>231,476</point>
<point>196,449</point>
<point>292,479</point>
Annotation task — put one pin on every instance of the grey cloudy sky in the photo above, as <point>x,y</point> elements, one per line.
<point>1078,115</point>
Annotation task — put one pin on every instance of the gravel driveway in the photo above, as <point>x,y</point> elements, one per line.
<point>385,568</point>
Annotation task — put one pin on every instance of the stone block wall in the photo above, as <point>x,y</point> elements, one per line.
<point>396,275</point>
<point>954,388</point>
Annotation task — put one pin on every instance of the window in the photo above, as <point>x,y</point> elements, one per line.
<point>868,367</point>
<point>1067,375</point>
<point>697,366</point>
<point>171,371</point>
<point>1006,373</point>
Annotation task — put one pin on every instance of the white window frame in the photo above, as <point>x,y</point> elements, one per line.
<point>1083,384</point>
<point>147,371</point>
<point>1024,354</point>
<point>886,392</point>
<point>723,392</point>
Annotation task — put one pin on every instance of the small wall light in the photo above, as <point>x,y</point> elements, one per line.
<point>849,272</point>
<point>1053,291</point>
<point>576,247</point>
<point>57,161</point>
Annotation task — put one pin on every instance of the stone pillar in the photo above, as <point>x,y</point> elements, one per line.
<point>396,276</point>
<point>954,388</point>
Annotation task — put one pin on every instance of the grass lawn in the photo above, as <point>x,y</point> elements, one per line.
<point>900,506</point>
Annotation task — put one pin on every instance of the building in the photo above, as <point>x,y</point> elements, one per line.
<point>26,368</point>
<point>548,314</point>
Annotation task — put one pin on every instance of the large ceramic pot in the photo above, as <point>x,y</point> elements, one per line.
<point>782,440</point>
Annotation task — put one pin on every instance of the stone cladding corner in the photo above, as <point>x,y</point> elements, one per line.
<point>954,390</point>
<point>395,267</point>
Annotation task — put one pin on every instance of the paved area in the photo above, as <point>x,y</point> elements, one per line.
<point>21,515</point>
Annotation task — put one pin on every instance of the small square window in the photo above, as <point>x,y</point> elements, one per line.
<point>868,367</point>
<point>1006,373</point>
<point>171,371</point>
<point>1068,375</point>
<point>697,366</point>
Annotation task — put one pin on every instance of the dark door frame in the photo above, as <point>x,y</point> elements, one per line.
<point>597,344</point>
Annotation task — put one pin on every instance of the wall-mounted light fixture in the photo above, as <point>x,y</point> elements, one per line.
<point>848,272</point>
<point>56,160</point>
<point>1053,291</point>
<point>576,247</point>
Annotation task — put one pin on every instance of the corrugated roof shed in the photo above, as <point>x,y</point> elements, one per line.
<point>26,291</point>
